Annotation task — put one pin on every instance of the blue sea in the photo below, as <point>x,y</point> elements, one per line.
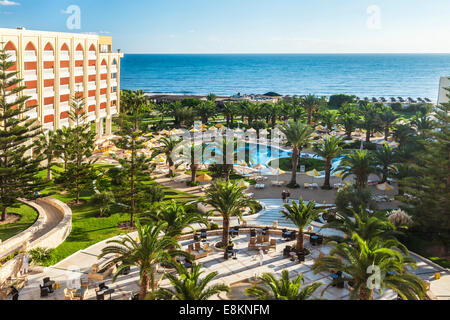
<point>371,75</point>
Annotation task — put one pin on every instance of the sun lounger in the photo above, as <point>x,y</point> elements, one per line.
<point>314,185</point>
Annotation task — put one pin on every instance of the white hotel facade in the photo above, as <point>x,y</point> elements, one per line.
<point>57,66</point>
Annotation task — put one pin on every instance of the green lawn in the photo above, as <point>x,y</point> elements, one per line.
<point>310,164</point>
<point>87,228</point>
<point>27,217</point>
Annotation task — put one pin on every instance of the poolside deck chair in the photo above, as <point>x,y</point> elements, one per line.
<point>252,243</point>
<point>273,244</point>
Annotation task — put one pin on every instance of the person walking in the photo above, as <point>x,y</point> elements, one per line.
<point>261,257</point>
<point>283,196</point>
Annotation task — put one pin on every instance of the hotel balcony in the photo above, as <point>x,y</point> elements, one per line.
<point>63,123</point>
<point>11,99</point>
<point>103,69</point>
<point>49,74</point>
<point>114,68</point>
<point>48,56</point>
<point>64,56</point>
<point>64,106</point>
<point>78,71</point>
<point>64,73</point>
<point>32,93</point>
<point>113,110</point>
<point>79,55</point>
<point>103,84</point>
<point>92,55</point>
<point>32,113</point>
<point>12,56</point>
<point>91,101</point>
<point>113,82</point>
<point>113,96</point>
<point>64,90</point>
<point>92,70</point>
<point>48,109</point>
<point>92,85</point>
<point>91,116</point>
<point>49,92</point>
<point>103,113</point>
<point>29,56</point>
<point>29,75</point>
<point>48,125</point>
<point>103,98</point>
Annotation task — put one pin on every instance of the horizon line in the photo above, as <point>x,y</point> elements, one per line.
<point>282,53</point>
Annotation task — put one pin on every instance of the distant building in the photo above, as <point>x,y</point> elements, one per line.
<point>444,83</point>
<point>56,66</point>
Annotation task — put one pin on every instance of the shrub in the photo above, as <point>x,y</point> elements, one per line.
<point>214,226</point>
<point>349,197</point>
<point>40,255</point>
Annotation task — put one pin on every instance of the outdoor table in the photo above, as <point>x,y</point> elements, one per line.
<point>235,251</point>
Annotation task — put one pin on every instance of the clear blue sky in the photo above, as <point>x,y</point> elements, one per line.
<point>247,26</point>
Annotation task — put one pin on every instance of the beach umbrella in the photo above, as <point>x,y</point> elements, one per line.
<point>238,130</point>
<point>264,131</point>
<point>278,172</point>
<point>193,130</point>
<point>339,174</point>
<point>251,130</point>
<point>243,184</point>
<point>313,173</point>
<point>378,135</point>
<point>259,167</point>
<point>219,126</point>
<point>204,178</point>
<point>384,187</point>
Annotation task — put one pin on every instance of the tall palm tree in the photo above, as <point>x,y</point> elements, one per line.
<point>229,110</point>
<point>228,199</point>
<point>328,118</point>
<point>166,147</point>
<point>310,103</point>
<point>360,164</point>
<point>301,215</point>
<point>283,289</point>
<point>205,110</point>
<point>252,111</point>
<point>225,147</point>
<point>46,144</point>
<point>298,135</point>
<point>189,286</point>
<point>384,157</point>
<point>193,154</point>
<point>329,149</point>
<point>349,118</point>
<point>150,249</point>
<point>177,216</point>
<point>370,119</point>
<point>402,133</point>
<point>359,263</point>
<point>422,123</point>
<point>387,119</point>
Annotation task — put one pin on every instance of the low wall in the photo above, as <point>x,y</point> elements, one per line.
<point>16,242</point>
<point>10,269</point>
<point>58,234</point>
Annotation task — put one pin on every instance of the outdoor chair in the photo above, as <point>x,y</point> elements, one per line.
<point>197,246</point>
<point>203,235</point>
<point>44,291</point>
<point>191,247</point>
<point>197,237</point>
<point>102,286</point>
<point>266,238</point>
<point>45,280</point>
<point>273,244</point>
<point>259,238</point>
<point>252,243</point>
<point>286,251</point>
<point>252,233</point>
<point>301,256</point>
<point>207,248</point>
<point>293,235</point>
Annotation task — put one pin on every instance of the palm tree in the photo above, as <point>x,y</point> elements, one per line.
<point>328,118</point>
<point>46,144</point>
<point>385,157</point>
<point>423,123</point>
<point>298,135</point>
<point>193,154</point>
<point>229,110</point>
<point>103,201</point>
<point>359,263</point>
<point>348,118</point>
<point>189,286</point>
<point>367,226</point>
<point>370,119</point>
<point>252,111</point>
<point>205,110</point>
<point>310,103</point>
<point>149,249</point>
<point>360,164</point>
<point>166,147</point>
<point>301,215</point>
<point>227,149</point>
<point>177,217</point>
<point>328,149</point>
<point>402,133</point>
<point>283,289</point>
<point>387,118</point>
<point>228,199</point>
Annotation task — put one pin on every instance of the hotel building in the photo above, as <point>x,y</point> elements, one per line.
<point>57,66</point>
